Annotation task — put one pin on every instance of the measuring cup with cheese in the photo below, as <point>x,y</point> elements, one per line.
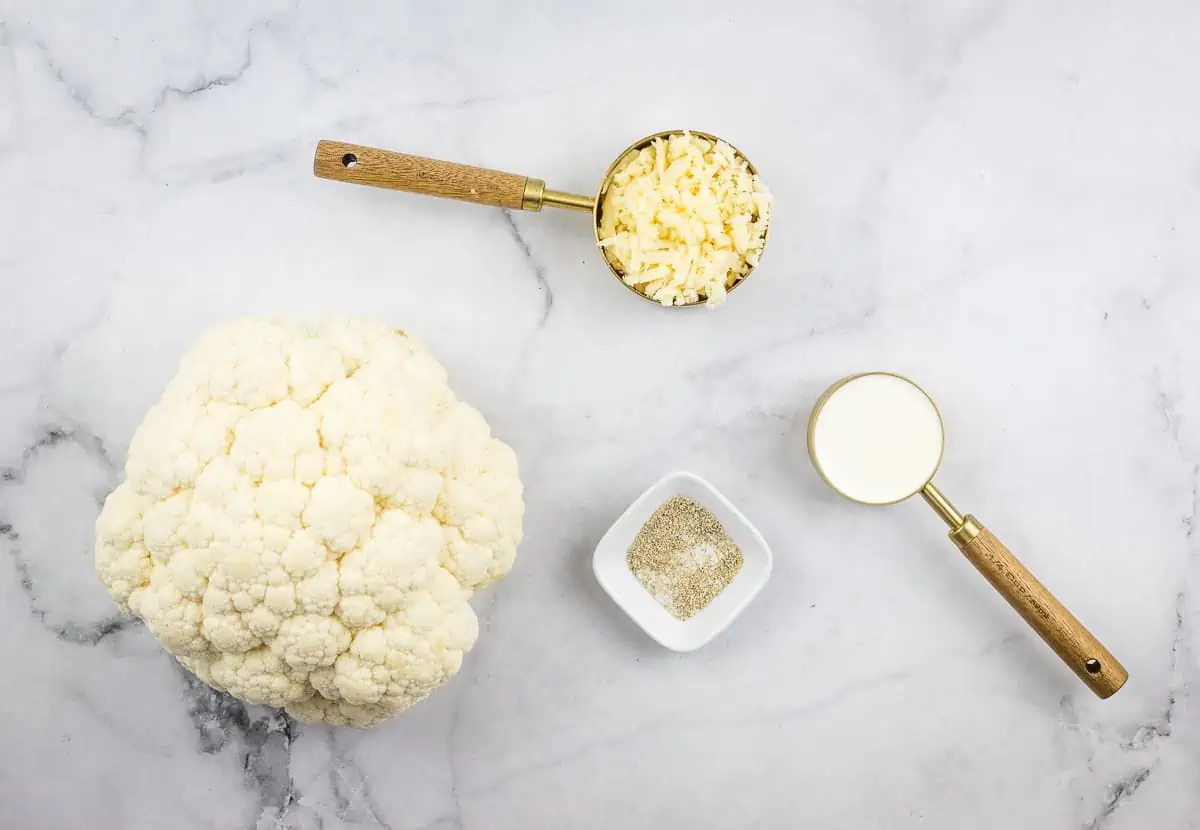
<point>681,217</point>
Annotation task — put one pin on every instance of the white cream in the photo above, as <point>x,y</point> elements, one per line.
<point>877,439</point>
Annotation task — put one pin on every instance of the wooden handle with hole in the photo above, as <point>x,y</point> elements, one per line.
<point>382,168</point>
<point>1074,644</point>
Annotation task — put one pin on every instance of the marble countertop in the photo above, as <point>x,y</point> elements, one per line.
<point>1001,200</point>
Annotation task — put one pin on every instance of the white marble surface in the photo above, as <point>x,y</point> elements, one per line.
<point>999,199</point>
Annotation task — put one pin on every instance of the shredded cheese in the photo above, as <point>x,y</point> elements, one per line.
<point>685,219</point>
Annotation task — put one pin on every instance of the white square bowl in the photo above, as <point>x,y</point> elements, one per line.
<point>613,574</point>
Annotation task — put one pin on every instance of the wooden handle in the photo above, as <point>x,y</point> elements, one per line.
<point>414,174</point>
<point>1083,653</point>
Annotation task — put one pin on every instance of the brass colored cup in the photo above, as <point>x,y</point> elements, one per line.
<point>874,444</point>
<point>415,174</point>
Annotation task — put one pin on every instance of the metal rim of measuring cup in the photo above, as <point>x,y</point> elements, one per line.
<point>816,412</point>
<point>607,180</point>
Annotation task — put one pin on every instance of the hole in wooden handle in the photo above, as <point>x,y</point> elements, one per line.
<point>349,160</point>
<point>1092,665</point>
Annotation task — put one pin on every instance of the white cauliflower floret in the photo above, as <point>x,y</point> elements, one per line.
<point>305,516</point>
<point>258,677</point>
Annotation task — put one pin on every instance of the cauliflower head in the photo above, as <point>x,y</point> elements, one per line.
<point>305,515</point>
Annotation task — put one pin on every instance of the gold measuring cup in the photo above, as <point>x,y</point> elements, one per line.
<point>877,438</point>
<point>356,164</point>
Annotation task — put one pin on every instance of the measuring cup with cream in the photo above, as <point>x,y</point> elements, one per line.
<point>877,439</point>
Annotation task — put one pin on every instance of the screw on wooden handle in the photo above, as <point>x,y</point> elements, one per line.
<point>414,174</point>
<point>1074,644</point>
